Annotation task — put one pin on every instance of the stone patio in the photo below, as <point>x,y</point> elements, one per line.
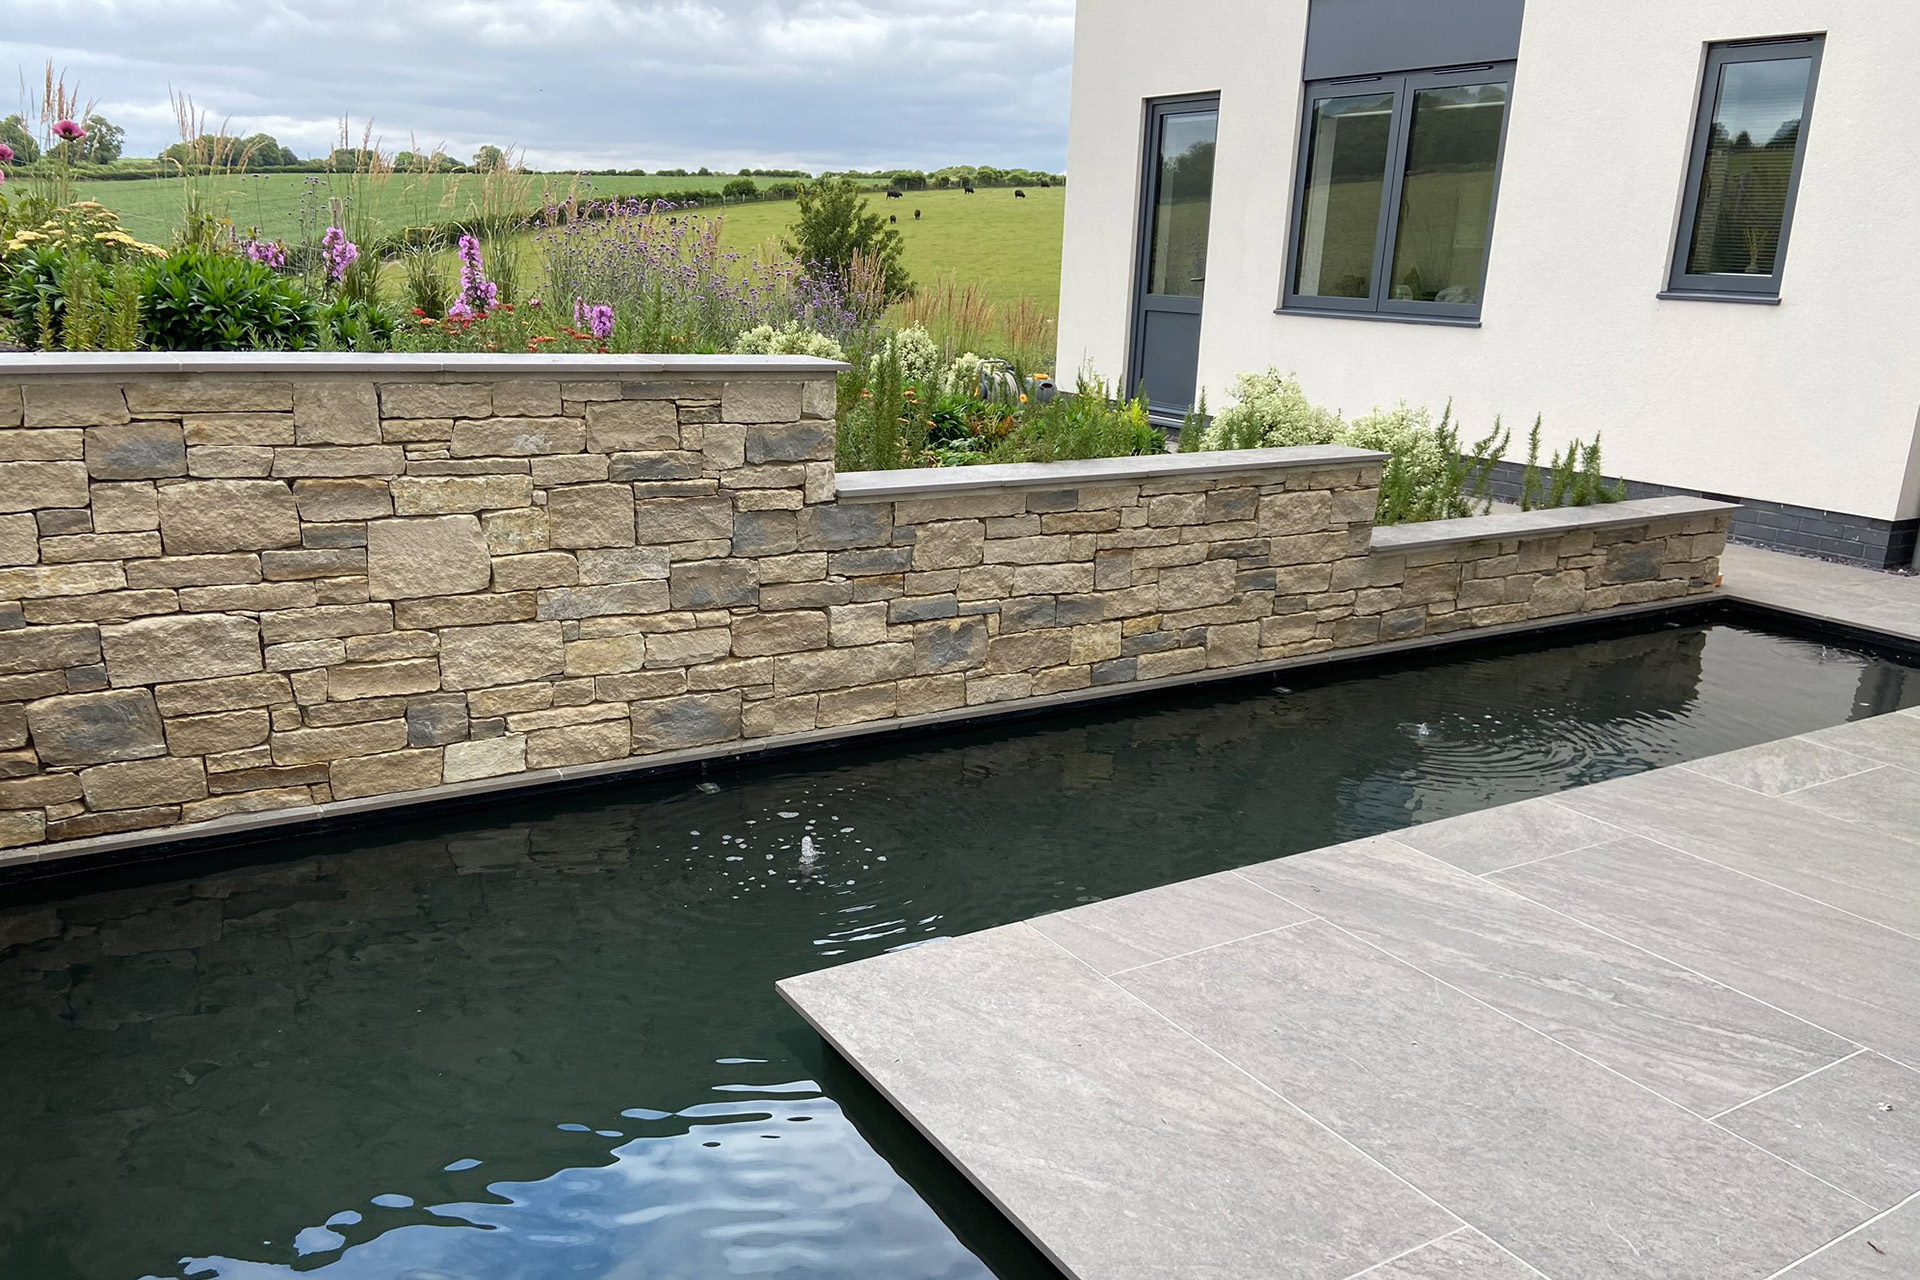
<point>1665,1026</point>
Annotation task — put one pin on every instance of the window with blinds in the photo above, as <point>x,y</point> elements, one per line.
<point>1748,143</point>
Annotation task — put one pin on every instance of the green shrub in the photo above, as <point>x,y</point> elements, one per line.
<point>1086,424</point>
<point>1574,480</point>
<point>790,339</point>
<point>1426,476</point>
<point>1270,412</point>
<point>350,324</point>
<point>834,225</point>
<point>59,299</point>
<point>198,300</point>
<point>918,356</point>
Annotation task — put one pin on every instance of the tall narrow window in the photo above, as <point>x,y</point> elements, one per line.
<point>1748,142</point>
<point>1395,205</point>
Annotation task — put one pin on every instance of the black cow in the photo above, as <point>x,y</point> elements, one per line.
<point>1019,194</point>
<point>895,195</point>
<point>916,215</point>
<point>892,218</point>
<point>968,188</point>
<point>1045,183</point>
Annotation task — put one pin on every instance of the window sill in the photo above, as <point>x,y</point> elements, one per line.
<point>1705,295</point>
<point>1391,317</point>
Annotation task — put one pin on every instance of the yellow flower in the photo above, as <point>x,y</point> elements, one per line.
<point>1023,399</point>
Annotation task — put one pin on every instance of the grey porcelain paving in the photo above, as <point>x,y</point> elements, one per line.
<point>1828,592</point>
<point>1464,1255</point>
<point>1856,1124</point>
<point>1885,1249</point>
<point>1519,1136</point>
<point>1509,834</point>
<point>1849,975</point>
<point>1663,1028</point>
<point>1856,868</point>
<point>1774,768</point>
<point>1057,1092</point>
<point>1142,927</point>
<point>1689,1039</point>
<point>1891,739</point>
<point>1885,799</point>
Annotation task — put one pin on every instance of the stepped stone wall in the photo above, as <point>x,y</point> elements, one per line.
<point>266,584</point>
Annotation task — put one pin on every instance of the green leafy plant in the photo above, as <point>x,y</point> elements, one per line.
<point>350,324</point>
<point>197,300</point>
<point>1572,479</point>
<point>1269,411</point>
<point>834,223</point>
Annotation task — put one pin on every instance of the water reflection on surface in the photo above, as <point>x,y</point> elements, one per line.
<point>543,1041</point>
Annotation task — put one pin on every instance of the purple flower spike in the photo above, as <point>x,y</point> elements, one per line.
<point>341,253</point>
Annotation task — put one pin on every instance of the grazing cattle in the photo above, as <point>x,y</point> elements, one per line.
<point>1019,194</point>
<point>1045,183</point>
<point>892,218</point>
<point>968,188</point>
<point>916,215</point>
<point>895,195</point>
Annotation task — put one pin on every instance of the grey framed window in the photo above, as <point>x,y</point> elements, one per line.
<point>1394,198</point>
<point>1749,139</point>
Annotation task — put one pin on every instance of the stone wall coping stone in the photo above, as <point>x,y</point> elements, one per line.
<point>1548,523</point>
<point>940,482</point>
<point>395,365</point>
<point>162,839</point>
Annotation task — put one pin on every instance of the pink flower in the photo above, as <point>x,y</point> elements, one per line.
<point>70,130</point>
<point>341,253</point>
<point>6,154</point>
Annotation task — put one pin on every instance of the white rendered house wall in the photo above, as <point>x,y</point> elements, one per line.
<point>1813,402</point>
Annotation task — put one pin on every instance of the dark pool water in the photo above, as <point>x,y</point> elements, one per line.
<point>542,1040</point>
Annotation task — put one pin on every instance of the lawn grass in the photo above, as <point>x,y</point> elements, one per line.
<point>1009,248</point>
<point>150,208</point>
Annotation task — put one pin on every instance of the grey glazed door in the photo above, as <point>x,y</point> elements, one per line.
<point>1171,264</point>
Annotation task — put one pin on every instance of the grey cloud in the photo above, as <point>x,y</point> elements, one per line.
<point>590,83</point>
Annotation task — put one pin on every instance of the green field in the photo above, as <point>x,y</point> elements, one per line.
<point>1008,247</point>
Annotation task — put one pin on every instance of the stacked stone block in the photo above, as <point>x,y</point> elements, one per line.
<point>224,595</point>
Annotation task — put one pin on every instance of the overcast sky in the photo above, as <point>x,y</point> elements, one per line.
<point>583,83</point>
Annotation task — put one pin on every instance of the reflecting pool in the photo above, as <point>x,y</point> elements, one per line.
<point>541,1039</point>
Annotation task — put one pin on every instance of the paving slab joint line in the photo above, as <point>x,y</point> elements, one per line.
<point>1701,857</point>
<point>1405,1253</point>
<point>1211,946</point>
<point>1546,857</point>
<point>1869,767</point>
<point>1559,1043</point>
<point>1264,1087</point>
<point>1667,959</point>
<point>1715,1117</point>
<point>1852,1231</point>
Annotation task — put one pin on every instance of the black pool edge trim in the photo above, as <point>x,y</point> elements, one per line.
<point>102,852</point>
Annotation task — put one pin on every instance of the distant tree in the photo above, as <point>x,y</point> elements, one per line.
<point>351,159</point>
<point>263,151</point>
<point>834,223</point>
<point>704,172</point>
<point>489,158</point>
<point>104,141</point>
<point>13,132</point>
<point>740,189</point>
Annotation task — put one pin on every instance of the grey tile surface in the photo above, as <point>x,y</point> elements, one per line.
<point>1142,927</point>
<point>1851,867</point>
<point>1687,1038</point>
<point>1521,1137</point>
<point>1886,800</point>
<point>1464,1255</point>
<point>1890,739</point>
<point>1509,834</point>
<point>1815,588</point>
<point>1856,1124</point>
<point>1126,1148</point>
<point>1888,1249</point>
<point>1849,975</point>
<point>1773,768</point>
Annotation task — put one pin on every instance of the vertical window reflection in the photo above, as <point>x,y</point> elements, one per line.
<point>1346,176</point>
<point>1183,203</point>
<point>1747,172</point>
<point>1446,201</point>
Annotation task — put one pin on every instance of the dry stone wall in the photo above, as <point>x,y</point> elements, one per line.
<point>234,592</point>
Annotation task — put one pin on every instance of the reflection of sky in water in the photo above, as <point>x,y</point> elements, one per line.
<point>711,1201</point>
